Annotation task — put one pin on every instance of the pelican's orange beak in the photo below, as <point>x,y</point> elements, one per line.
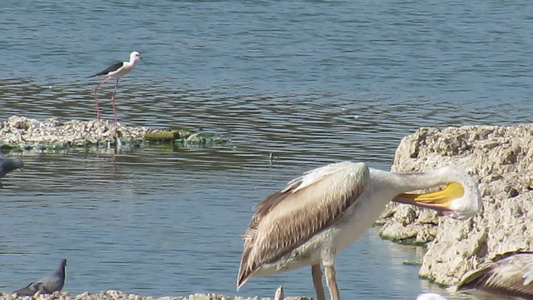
<point>439,201</point>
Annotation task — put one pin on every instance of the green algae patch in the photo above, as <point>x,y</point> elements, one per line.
<point>7,147</point>
<point>433,281</point>
<point>412,262</point>
<point>181,133</point>
<point>168,135</point>
<point>160,136</point>
<point>403,241</point>
<point>379,223</point>
<point>203,139</point>
<point>183,138</point>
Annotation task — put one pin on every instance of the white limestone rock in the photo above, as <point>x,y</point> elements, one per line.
<point>501,159</point>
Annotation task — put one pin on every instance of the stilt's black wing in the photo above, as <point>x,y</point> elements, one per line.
<point>109,70</point>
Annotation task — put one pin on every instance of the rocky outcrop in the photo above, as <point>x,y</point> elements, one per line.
<point>501,158</point>
<point>118,295</point>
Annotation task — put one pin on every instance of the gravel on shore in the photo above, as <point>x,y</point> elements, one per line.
<point>119,295</point>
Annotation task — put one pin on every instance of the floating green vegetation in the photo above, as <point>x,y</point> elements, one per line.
<point>160,136</point>
<point>413,262</point>
<point>379,223</point>
<point>403,241</point>
<point>432,281</point>
<point>183,138</point>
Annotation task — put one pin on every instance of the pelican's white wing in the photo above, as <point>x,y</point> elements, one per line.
<point>511,274</point>
<point>289,218</point>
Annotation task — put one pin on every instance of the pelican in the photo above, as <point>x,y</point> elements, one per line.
<point>321,213</point>
<point>510,275</point>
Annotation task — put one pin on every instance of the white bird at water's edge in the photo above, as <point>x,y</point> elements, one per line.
<point>321,213</point>
<point>115,71</point>
<point>430,296</point>
<point>509,275</point>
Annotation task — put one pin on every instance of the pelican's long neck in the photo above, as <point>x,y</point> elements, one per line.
<point>422,180</point>
<point>407,182</point>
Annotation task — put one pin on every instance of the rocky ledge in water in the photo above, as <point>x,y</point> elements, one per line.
<point>24,134</point>
<point>118,295</point>
<point>501,158</point>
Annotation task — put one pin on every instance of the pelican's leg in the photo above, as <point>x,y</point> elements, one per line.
<point>96,98</point>
<point>113,102</point>
<point>331,281</point>
<point>316,271</point>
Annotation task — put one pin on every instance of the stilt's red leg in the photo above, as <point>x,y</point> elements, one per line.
<point>96,98</point>
<point>97,105</point>
<point>113,102</point>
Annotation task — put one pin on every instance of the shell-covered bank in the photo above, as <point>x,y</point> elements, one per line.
<point>21,133</point>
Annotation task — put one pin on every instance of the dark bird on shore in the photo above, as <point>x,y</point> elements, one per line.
<point>509,275</point>
<point>8,165</point>
<point>115,71</point>
<point>321,213</point>
<point>48,284</point>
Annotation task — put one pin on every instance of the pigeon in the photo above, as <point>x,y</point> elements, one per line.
<point>7,165</point>
<point>48,284</point>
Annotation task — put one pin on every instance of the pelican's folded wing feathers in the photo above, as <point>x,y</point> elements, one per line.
<point>310,203</point>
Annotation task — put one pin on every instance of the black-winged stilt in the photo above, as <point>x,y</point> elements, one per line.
<point>115,71</point>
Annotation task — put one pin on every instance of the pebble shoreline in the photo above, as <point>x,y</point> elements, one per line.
<point>118,295</point>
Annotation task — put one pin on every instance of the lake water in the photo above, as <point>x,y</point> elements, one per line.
<point>311,82</point>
